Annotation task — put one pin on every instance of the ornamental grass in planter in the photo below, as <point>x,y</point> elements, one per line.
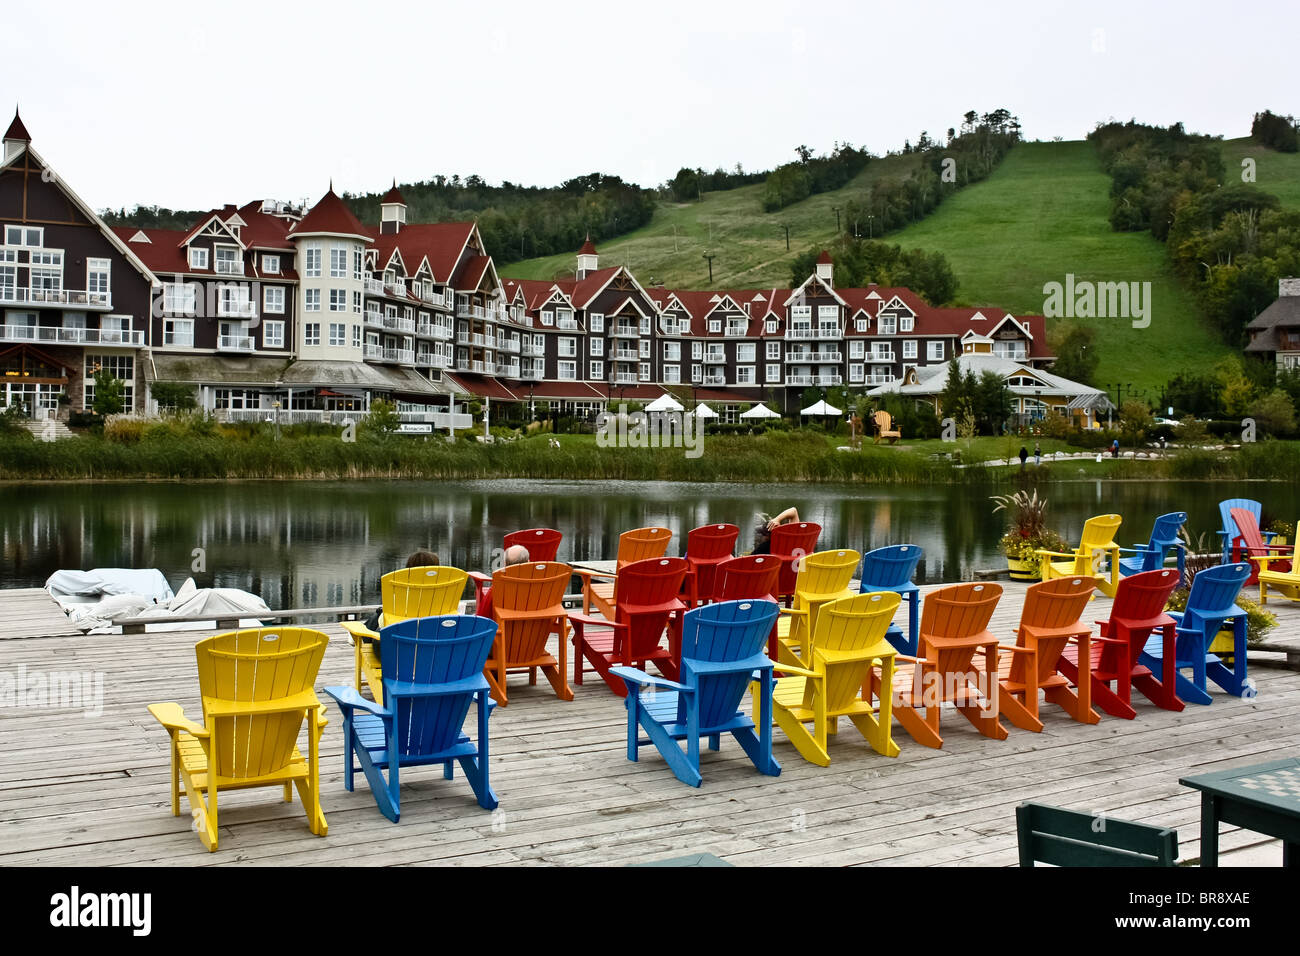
<point>1028,533</point>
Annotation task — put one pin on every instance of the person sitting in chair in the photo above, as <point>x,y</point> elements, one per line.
<point>515,554</point>
<point>418,559</point>
<point>766,524</point>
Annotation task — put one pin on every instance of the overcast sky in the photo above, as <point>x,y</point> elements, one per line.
<point>157,103</point>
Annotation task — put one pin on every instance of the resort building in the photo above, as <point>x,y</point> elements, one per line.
<point>269,309</point>
<point>1275,332</point>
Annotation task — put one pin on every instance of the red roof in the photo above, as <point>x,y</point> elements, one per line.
<point>586,288</point>
<point>472,274</point>
<point>441,243</point>
<point>587,248</point>
<point>482,385</point>
<point>17,130</point>
<point>824,258</point>
<point>331,215</point>
<point>393,195</point>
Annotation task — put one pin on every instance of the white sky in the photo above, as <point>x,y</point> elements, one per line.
<point>154,103</point>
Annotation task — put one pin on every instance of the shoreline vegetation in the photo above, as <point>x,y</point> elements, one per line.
<point>806,456</point>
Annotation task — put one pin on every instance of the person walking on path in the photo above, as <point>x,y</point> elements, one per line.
<point>1114,448</point>
<point>1024,455</point>
<point>1038,455</point>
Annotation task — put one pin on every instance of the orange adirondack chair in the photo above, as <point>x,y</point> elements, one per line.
<point>885,429</point>
<point>823,577</point>
<point>954,627</point>
<point>543,544</point>
<point>1050,620</point>
<point>1249,545</point>
<point>747,578</point>
<point>1138,610</point>
<point>410,592</point>
<point>632,636</point>
<point>639,544</point>
<point>528,605</point>
<point>706,548</point>
<point>790,542</point>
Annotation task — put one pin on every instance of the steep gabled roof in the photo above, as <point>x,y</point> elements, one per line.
<point>331,216</point>
<point>393,195</point>
<point>440,243</point>
<point>587,248</point>
<point>17,130</point>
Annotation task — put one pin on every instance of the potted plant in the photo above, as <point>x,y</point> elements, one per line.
<point>1027,534</point>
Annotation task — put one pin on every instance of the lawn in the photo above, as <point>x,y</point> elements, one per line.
<point>1276,173</point>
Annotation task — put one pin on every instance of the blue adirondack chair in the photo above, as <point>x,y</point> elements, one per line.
<point>1151,556</point>
<point>1229,530</point>
<point>891,569</point>
<point>1209,605</point>
<point>433,670</point>
<point>722,651</point>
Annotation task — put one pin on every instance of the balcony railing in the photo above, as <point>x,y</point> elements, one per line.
<point>470,311</point>
<point>626,355</point>
<point>396,323</point>
<point>509,345</point>
<point>879,379</point>
<point>237,310</point>
<point>432,331</point>
<point>21,295</point>
<point>537,351</point>
<point>625,332</point>
<point>234,343</point>
<point>226,267</point>
<point>375,352</point>
<point>396,289</point>
<point>880,357</point>
<point>531,373</point>
<point>623,378</point>
<point>433,298</point>
<point>508,370</point>
<point>809,334</point>
<point>402,356</point>
<point>812,358</point>
<point>375,319</point>
<point>714,358</point>
<point>45,333</point>
<point>567,325</point>
<point>374,287</point>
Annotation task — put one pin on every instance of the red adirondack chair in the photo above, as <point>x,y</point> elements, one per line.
<point>791,542</point>
<point>1250,543</point>
<point>1137,612</point>
<point>1049,621</point>
<point>543,544</point>
<point>706,548</point>
<point>647,603</point>
<point>747,578</point>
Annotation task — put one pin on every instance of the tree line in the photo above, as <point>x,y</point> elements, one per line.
<point>861,261</point>
<point>793,182</point>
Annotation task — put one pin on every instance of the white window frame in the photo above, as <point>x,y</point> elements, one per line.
<point>271,264</point>
<point>596,321</point>
<point>596,370</point>
<point>773,350</point>
<point>773,371</point>
<point>311,333</point>
<point>568,347</point>
<point>273,333</point>
<point>198,258</point>
<point>338,334</point>
<point>312,303</point>
<point>672,351</point>
<point>934,351</point>
<point>311,261</point>
<point>273,299</point>
<point>566,370</point>
<point>597,347</point>
<point>909,349</point>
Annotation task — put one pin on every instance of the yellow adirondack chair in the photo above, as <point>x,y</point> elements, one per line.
<point>1095,544</point>
<point>1288,582</point>
<point>256,687</point>
<point>885,429</point>
<point>410,592</point>
<point>850,662</point>
<point>823,577</point>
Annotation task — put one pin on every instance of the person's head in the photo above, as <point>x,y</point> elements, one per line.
<point>516,554</point>
<point>762,536</point>
<point>423,559</point>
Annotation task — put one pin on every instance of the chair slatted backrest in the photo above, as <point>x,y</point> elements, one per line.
<point>728,632</point>
<point>1213,597</point>
<point>421,592</point>
<point>428,651</point>
<point>543,544</point>
<point>790,542</point>
<point>1164,534</point>
<point>641,544</point>
<point>1069,838</point>
<point>1230,527</point>
<point>890,568</point>
<point>827,572</point>
<point>957,611</point>
<point>1098,534</point>
<point>257,666</point>
<point>848,639</point>
<point>749,576</point>
<point>706,548</point>
<point>537,586</point>
<point>647,595</point>
<point>1140,603</point>
<point>1051,606</point>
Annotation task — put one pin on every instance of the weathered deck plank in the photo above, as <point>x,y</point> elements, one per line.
<point>77,789</point>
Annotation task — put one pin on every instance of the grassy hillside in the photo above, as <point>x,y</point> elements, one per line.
<point>1042,214</point>
<point>1276,173</point>
<point>749,243</point>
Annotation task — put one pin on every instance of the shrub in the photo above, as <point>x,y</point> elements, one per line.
<point>124,430</point>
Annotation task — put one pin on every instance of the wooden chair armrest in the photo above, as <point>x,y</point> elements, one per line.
<point>172,716</point>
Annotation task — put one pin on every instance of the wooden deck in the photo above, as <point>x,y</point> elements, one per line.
<point>92,790</point>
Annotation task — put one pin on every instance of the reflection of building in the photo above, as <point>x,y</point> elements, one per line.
<point>1276,331</point>
<point>1034,391</point>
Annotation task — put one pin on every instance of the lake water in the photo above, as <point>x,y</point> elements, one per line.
<point>299,543</point>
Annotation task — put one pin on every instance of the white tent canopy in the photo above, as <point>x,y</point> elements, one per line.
<point>760,411</point>
<point>704,411</point>
<point>821,408</point>
<point>664,403</point>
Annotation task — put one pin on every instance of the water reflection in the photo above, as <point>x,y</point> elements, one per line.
<point>323,543</point>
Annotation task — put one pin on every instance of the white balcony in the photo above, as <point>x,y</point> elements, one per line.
<point>805,334</point>
<point>625,332</point>
<point>879,379</point>
<point>509,345</point>
<point>536,351</point>
<point>235,343</point>
<point>813,358</point>
<point>398,324</point>
<point>508,370</point>
<point>880,357</point>
<point>465,311</point>
<point>433,298</point>
<point>374,287</point>
<point>431,331</point>
<point>623,378</point>
<point>374,319</point>
<point>531,373</point>
<point>21,295</point>
<point>237,310</point>
<point>714,380</point>
<point>395,289</point>
<point>60,336</point>
<point>715,358</point>
<point>400,356</point>
<point>375,352</point>
<point>567,325</point>
<point>626,355</point>
<point>225,267</point>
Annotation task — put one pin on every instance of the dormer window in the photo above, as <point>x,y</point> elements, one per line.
<point>228,261</point>
<point>198,258</point>
<point>715,325</point>
<point>905,323</point>
<point>271,265</point>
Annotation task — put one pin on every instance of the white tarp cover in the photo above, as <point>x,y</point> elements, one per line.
<point>664,403</point>
<point>703,411</point>
<point>86,587</point>
<point>760,411</point>
<point>821,408</point>
<point>209,602</point>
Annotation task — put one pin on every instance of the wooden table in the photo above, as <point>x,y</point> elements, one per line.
<point>1264,797</point>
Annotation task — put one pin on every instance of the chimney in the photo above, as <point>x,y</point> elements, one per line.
<point>826,268</point>
<point>587,259</point>
<point>392,211</point>
<point>1288,287</point>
